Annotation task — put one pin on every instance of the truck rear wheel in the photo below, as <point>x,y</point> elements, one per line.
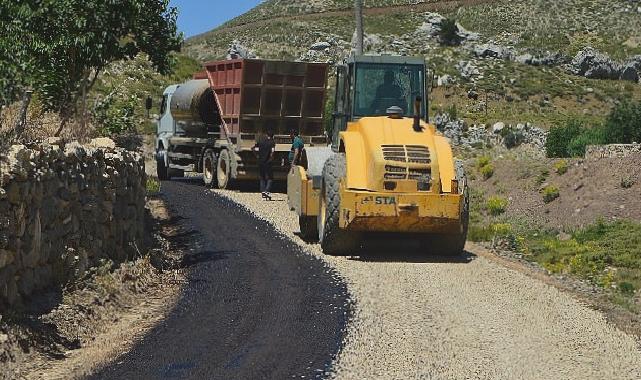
<point>223,169</point>
<point>209,168</point>
<point>308,228</point>
<point>334,240</point>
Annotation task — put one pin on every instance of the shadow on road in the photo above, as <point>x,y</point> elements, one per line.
<point>415,256</point>
<point>203,257</point>
<point>407,251</point>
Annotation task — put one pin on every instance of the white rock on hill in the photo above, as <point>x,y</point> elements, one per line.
<point>498,127</point>
<point>320,46</point>
<point>237,50</point>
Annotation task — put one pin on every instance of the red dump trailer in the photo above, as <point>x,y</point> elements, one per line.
<point>209,125</point>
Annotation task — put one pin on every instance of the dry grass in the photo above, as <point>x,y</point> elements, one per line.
<point>40,125</point>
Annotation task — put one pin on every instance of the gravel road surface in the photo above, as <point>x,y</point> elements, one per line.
<point>421,317</point>
<point>255,306</point>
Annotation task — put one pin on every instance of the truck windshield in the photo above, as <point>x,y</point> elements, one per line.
<point>380,86</point>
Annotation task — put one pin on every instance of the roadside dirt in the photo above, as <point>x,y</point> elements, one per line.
<point>70,333</point>
<point>591,295</point>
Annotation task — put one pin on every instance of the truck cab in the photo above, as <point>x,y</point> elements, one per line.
<point>165,125</point>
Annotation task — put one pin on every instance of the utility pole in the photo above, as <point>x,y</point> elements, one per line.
<point>358,10</point>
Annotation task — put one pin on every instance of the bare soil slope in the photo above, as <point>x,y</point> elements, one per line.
<point>591,189</point>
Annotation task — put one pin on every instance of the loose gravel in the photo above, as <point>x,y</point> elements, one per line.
<point>428,318</point>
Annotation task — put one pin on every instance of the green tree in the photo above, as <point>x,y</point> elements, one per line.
<point>63,45</point>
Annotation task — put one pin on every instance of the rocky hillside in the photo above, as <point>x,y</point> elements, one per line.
<point>519,61</point>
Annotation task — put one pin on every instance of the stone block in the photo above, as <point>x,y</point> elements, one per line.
<point>6,258</point>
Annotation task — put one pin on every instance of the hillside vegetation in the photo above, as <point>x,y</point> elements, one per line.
<point>507,90</point>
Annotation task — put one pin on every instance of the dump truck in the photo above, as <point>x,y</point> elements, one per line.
<point>387,172</point>
<point>210,124</point>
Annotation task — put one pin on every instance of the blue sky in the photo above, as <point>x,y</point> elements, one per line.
<point>198,16</point>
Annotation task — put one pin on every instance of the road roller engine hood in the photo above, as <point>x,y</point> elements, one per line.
<point>387,154</point>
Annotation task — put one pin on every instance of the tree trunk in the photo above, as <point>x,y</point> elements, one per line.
<point>22,118</point>
<point>358,10</point>
<point>63,123</point>
<point>83,116</point>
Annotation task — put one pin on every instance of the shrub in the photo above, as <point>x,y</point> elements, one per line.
<point>512,137</point>
<point>502,229</point>
<point>452,111</point>
<point>550,193</point>
<point>482,161</point>
<point>542,177</point>
<point>489,232</point>
<point>623,125</point>
<point>449,33</point>
<point>153,185</point>
<point>561,167</point>
<point>480,233</point>
<point>589,136</point>
<point>559,138</point>
<point>487,171</point>
<point>115,114</point>
<point>496,205</point>
<point>570,140</point>
<point>626,288</point>
<point>627,182</point>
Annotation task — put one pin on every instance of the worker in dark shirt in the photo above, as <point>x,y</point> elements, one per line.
<point>298,145</point>
<point>386,92</point>
<point>266,149</point>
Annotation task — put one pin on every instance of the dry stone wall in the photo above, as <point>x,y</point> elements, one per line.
<point>64,209</point>
<point>611,151</point>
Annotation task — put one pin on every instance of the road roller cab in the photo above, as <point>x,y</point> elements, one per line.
<point>387,169</point>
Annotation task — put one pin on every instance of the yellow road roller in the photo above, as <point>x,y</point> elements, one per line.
<point>387,171</point>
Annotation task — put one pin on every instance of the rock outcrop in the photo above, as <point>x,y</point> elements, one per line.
<point>591,63</point>
<point>473,136</point>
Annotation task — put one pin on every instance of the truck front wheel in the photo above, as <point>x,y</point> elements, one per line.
<point>209,168</point>
<point>334,240</point>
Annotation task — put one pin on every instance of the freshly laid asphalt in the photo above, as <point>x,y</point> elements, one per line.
<point>254,306</point>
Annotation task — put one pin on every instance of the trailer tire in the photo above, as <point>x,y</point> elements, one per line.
<point>334,240</point>
<point>209,166</point>
<point>161,167</point>
<point>308,228</point>
<point>223,169</point>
